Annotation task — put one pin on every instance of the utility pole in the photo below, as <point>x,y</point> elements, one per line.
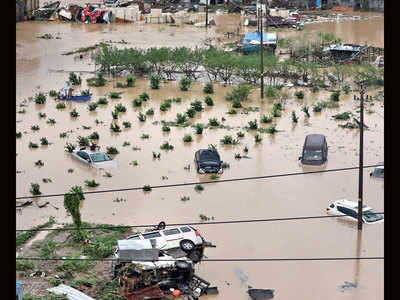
<point>206,13</point>
<point>262,55</point>
<point>360,170</point>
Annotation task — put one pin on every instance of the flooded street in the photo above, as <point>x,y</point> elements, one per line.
<point>41,67</point>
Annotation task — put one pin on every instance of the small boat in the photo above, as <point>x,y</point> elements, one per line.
<point>66,94</point>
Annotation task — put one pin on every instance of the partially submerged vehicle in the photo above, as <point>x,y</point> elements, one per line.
<point>208,161</point>
<point>349,209</point>
<point>378,172</point>
<point>343,51</point>
<point>66,93</point>
<point>94,157</point>
<point>315,150</point>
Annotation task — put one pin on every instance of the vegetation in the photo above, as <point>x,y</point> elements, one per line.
<point>40,98</point>
<point>52,93</point>
<point>112,150</point>
<point>253,124</point>
<point>265,119</point>
<point>146,188</point>
<point>199,128</point>
<point>99,80</point>
<point>35,189</point>
<point>190,112</point>
<point>74,113</point>
<point>198,187</point>
<point>208,100</point>
<point>115,127</point>
<point>187,138</point>
<point>305,110</point>
<point>127,124</point>
<point>294,117</point>
<point>166,128</point>
<point>145,136</point>
<point>343,116</point>
<point>69,147</point>
<point>141,117</point>
<point>184,84</point>
<point>257,137</point>
<point>25,236</point>
<point>213,122</point>
<point>240,93</point>
<point>240,134</point>
<point>94,136</point>
<point>102,101</point>
<point>197,105</point>
<point>51,121</point>
<point>72,201</point>
<point>335,96</point>
<point>92,106</point>
<point>35,127</point>
<point>130,80</point>
<point>150,112</point>
<point>166,146</point>
<point>180,118</point>
<point>208,88</point>
<point>42,115</point>
<point>155,82</point>
<point>44,141</point>
<point>33,145</point>
<point>91,183</point>
<point>229,140</point>
<point>299,94</point>
<point>115,95</point>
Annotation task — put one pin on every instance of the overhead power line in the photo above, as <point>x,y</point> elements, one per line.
<point>212,259</point>
<point>193,223</point>
<point>204,182</point>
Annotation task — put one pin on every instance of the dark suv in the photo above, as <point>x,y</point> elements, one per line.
<point>208,161</point>
<point>315,150</point>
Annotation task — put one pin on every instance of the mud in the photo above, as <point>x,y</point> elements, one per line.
<point>303,195</point>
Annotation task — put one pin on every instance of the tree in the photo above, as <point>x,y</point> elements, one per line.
<point>72,201</point>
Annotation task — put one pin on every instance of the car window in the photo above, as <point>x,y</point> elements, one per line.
<point>171,231</point>
<point>136,237</point>
<point>209,155</point>
<point>372,216</point>
<point>83,155</point>
<point>99,157</point>
<point>185,229</point>
<point>347,211</point>
<point>151,235</point>
<point>332,205</point>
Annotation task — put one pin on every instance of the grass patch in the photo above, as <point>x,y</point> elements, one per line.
<point>112,150</point>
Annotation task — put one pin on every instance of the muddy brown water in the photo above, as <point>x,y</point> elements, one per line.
<point>41,67</point>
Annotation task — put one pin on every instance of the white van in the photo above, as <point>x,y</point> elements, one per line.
<point>184,237</point>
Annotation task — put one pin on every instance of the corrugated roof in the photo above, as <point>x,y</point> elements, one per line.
<point>256,36</point>
<point>71,293</point>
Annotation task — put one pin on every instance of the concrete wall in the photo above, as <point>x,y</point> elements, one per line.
<point>31,5</point>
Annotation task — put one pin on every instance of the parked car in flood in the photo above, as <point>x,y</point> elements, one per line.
<point>94,158</point>
<point>378,172</point>
<point>315,150</point>
<point>208,161</point>
<point>350,210</point>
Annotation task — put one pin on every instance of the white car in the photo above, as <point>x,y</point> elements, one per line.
<point>94,158</point>
<point>184,237</point>
<point>350,210</point>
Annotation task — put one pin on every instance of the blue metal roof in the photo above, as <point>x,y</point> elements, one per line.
<point>256,36</point>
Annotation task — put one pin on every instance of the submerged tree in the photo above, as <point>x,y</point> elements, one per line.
<point>72,201</point>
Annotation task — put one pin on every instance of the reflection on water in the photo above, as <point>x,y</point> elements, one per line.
<point>301,195</point>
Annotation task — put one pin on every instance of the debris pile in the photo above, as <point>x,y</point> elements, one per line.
<point>147,272</point>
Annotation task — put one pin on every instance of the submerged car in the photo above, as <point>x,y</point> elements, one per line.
<point>94,158</point>
<point>378,172</point>
<point>208,161</point>
<point>350,210</point>
<point>315,150</point>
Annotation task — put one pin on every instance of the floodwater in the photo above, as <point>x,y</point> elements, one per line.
<point>41,67</point>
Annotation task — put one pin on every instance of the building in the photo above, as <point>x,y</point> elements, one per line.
<point>25,8</point>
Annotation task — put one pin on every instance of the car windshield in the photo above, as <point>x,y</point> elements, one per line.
<point>371,216</point>
<point>209,156</point>
<point>312,154</point>
<point>99,157</point>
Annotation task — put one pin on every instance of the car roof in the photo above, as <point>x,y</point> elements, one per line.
<point>314,141</point>
<point>158,230</point>
<point>350,204</point>
<point>88,151</point>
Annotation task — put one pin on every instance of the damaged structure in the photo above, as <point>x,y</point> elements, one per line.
<point>152,265</point>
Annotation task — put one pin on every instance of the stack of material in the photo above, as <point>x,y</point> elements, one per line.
<point>197,17</point>
<point>181,17</point>
<point>131,13</point>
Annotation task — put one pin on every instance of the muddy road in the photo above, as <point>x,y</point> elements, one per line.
<point>41,67</point>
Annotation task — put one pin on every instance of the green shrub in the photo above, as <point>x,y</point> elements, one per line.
<point>265,119</point>
<point>187,138</point>
<point>74,80</point>
<point>232,111</point>
<point>240,134</point>
<point>150,112</point>
<point>35,189</point>
<point>180,118</point>
<point>145,136</point>
<point>137,102</point>
<point>240,93</point>
<point>51,121</point>
<point>102,101</point>
<point>99,80</point>
<point>155,82</point>
<point>130,80</point>
<point>343,116</point>
<point>112,150</point>
<point>69,147</point>
<point>213,122</point>
<point>299,94</point>
<point>91,183</point>
<point>257,138</point>
<point>317,107</point>
<point>236,104</point>
<point>115,95</point>
<point>83,141</point>
<point>35,127</point>
<point>74,113</point>
<point>33,145</point>
<point>39,163</point>
<point>114,115</point>
<point>294,117</point>
<point>208,88</point>
<point>198,187</point>
<point>156,155</point>
<point>60,105</point>
<point>225,165</point>
<point>141,117</point>
<point>335,96</point>
<point>126,124</point>
<point>85,92</point>
<point>253,124</point>
<point>305,110</point>
<point>115,127</point>
<point>24,265</point>
<point>18,135</point>
<point>271,92</point>
<point>272,129</point>
<point>146,188</point>
<point>94,136</point>
<point>120,108</point>
<point>144,96</point>
<point>208,100</point>
<point>228,140</point>
<point>42,115</point>
<point>166,128</point>
<point>190,112</point>
<point>52,93</point>
<point>199,128</point>
<point>184,84</point>
<point>44,141</point>
<point>40,98</point>
<point>166,146</point>
<point>197,105</point>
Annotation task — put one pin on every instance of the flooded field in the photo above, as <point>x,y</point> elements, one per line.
<point>41,67</point>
